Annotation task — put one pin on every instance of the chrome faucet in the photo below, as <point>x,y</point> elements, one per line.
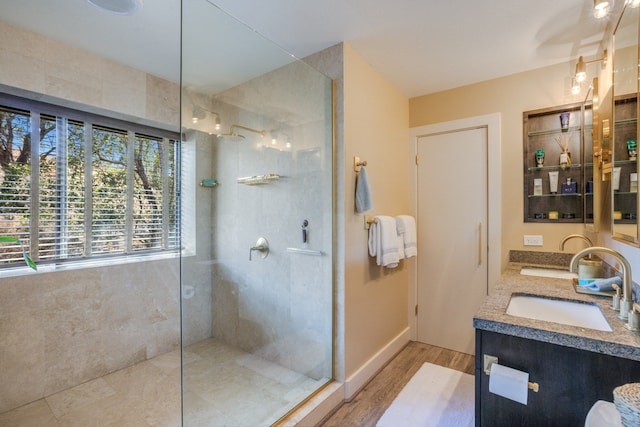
<point>626,304</point>
<point>574,236</point>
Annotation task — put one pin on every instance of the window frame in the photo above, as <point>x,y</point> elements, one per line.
<point>170,236</point>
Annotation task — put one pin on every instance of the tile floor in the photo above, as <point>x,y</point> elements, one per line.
<point>223,386</point>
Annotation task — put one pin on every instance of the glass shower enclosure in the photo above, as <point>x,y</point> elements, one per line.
<point>257,209</point>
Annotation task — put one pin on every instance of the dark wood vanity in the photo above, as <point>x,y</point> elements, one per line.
<point>570,380</point>
<point>574,366</point>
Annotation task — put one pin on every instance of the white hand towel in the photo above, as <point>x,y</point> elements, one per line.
<point>406,226</point>
<point>384,242</point>
<point>364,201</point>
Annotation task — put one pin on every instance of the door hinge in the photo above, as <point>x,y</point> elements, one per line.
<point>416,159</point>
<point>416,309</point>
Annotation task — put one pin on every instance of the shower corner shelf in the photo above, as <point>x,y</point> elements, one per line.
<point>259,179</point>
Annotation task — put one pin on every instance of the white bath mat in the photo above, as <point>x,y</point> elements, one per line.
<point>434,397</point>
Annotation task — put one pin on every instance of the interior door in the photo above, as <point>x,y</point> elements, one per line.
<point>452,236</point>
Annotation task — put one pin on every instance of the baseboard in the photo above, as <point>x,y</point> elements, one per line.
<point>358,380</point>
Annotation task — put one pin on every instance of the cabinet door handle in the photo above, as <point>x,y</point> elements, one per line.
<point>479,244</point>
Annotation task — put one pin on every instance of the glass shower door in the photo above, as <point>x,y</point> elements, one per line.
<point>256,270</point>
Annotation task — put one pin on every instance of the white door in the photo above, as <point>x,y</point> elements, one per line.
<point>452,236</point>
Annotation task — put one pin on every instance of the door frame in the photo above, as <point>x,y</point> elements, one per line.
<point>494,196</point>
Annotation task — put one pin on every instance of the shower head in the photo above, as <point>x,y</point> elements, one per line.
<point>232,136</point>
<point>259,132</point>
<point>233,132</point>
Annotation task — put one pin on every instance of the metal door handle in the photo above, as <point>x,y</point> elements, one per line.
<point>479,244</point>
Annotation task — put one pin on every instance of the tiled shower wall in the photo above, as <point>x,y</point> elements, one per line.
<point>60,329</point>
<point>279,307</point>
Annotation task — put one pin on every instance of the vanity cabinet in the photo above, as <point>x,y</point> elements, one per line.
<point>570,381</point>
<point>625,196</point>
<point>543,132</point>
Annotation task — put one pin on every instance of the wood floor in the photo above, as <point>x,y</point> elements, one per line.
<point>366,408</point>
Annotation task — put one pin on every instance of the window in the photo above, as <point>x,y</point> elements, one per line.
<point>90,186</point>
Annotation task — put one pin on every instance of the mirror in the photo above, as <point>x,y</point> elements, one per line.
<point>624,174</point>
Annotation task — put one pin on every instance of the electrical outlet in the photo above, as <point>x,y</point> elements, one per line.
<point>530,240</point>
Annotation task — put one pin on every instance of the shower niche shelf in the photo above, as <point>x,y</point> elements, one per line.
<point>259,179</point>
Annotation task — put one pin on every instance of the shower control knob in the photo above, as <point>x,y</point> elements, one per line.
<point>305,231</point>
<point>262,246</point>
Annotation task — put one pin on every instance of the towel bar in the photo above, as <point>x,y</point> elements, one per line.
<point>368,222</point>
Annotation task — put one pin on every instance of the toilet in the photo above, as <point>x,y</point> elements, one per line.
<point>603,414</point>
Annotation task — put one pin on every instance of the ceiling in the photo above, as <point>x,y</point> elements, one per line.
<point>421,46</point>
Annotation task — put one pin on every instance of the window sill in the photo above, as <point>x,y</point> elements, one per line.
<point>89,263</point>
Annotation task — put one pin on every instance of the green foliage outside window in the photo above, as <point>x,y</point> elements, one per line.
<point>130,174</point>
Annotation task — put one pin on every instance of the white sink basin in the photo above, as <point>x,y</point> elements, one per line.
<point>574,313</point>
<point>547,272</point>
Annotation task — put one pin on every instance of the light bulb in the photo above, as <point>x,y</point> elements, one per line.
<point>575,86</point>
<point>600,8</point>
<point>581,70</point>
<point>194,120</point>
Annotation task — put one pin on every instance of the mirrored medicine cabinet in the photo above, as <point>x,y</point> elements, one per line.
<point>624,164</point>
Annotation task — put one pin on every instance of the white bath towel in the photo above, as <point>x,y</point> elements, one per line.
<point>406,226</point>
<point>364,200</point>
<point>384,243</point>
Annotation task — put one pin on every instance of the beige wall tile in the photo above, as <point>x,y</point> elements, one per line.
<point>37,413</point>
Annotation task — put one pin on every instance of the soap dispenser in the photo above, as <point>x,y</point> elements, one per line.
<point>589,267</point>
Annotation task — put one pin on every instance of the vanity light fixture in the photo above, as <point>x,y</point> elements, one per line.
<point>118,7</point>
<point>581,71</point>
<point>197,115</point>
<point>600,8</point>
<point>200,113</point>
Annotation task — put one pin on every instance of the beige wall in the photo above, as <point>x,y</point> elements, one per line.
<point>510,96</point>
<point>371,120</point>
<point>376,116</point>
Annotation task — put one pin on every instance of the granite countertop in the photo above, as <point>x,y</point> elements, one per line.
<point>491,316</point>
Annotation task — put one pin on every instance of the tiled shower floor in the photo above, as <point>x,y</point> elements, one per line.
<point>223,386</point>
